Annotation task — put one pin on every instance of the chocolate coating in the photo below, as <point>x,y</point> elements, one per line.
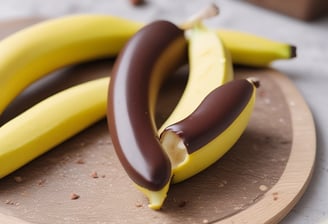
<point>136,77</point>
<point>216,112</point>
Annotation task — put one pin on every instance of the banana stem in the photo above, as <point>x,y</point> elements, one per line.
<point>205,13</point>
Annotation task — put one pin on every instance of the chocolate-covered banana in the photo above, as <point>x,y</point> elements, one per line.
<point>211,130</point>
<point>151,54</point>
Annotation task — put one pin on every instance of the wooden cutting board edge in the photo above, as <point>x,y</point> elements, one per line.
<point>298,172</point>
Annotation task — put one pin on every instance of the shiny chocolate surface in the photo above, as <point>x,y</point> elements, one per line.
<point>136,76</point>
<point>216,112</point>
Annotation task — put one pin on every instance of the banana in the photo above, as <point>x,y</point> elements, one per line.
<point>210,66</point>
<point>39,49</point>
<point>35,51</point>
<point>211,130</point>
<point>50,122</point>
<point>251,50</point>
<point>151,54</point>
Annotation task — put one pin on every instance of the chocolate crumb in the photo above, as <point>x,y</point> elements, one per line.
<point>94,174</point>
<point>139,204</point>
<point>18,179</point>
<point>275,196</point>
<point>41,182</point>
<point>8,202</point>
<point>11,202</point>
<point>74,196</point>
<point>182,204</point>
<point>80,161</point>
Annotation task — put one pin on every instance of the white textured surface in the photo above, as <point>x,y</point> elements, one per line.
<point>309,71</point>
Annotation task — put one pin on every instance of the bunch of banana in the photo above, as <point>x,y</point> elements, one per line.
<point>42,48</point>
<point>31,54</point>
<point>217,116</point>
<point>34,52</point>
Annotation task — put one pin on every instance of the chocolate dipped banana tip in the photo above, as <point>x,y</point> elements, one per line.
<point>212,129</point>
<point>153,53</point>
<point>213,116</point>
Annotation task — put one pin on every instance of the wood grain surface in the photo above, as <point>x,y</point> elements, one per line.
<point>258,181</point>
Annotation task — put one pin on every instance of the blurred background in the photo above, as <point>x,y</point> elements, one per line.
<point>303,23</point>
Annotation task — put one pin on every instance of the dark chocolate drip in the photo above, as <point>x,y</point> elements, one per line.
<point>130,120</point>
<point>214,115</point>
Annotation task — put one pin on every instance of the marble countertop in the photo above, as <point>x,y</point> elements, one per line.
<point>309,71</point>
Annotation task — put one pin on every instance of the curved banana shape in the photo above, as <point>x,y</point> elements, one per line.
<point>210,66</point>
<point>251,50</point>
<point>151,54</point>
<point>77,38</point>
<point>211,130</point>
<point>35,51</point>
<point>50,122</point>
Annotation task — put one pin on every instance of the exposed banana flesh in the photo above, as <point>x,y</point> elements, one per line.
<point>210,66</point>
<point>211,130</point>
<point>50,122</point>
<point>32,53</point>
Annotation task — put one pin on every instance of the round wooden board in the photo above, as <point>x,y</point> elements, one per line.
<point>258,181</point>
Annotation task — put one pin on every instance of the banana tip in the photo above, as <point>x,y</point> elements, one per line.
<point>293,51</point>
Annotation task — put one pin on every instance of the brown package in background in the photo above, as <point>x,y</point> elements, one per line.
<point>301,9</point>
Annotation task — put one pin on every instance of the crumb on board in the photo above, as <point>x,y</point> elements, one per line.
<point>263,187</point>
<point>94,174</point>
<point>18,179</point>
<point>275,196</point>
<point>80,161</point>
<point>41,182</point>
<point>138,204</point>
<point>74,196</point>
<point>182,204</point>
<point>11,202</point>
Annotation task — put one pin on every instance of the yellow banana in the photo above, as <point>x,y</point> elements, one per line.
<point>210,66</point>
<point>211,130</point>
<point>33,52</point>
<point>77,38</point>
<point>72,39</point>
<point>50,122</point>
<point>251,50</point>
<point>37,50</point>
